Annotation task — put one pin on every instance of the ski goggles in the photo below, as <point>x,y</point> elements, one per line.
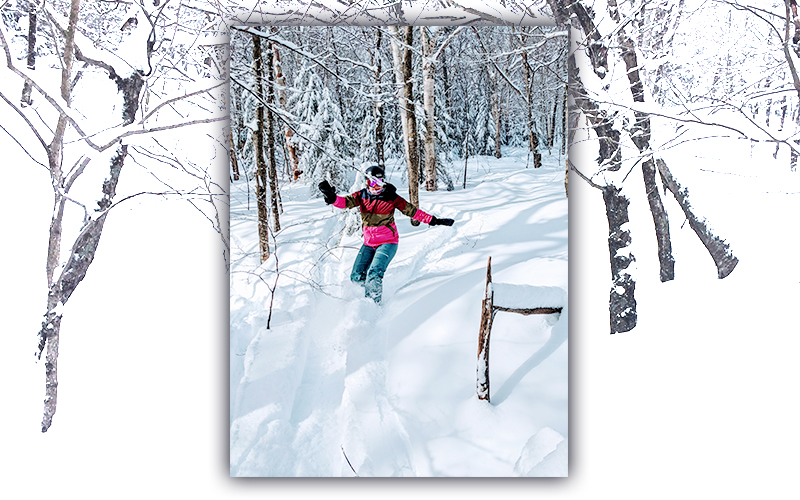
<point>374,182</point>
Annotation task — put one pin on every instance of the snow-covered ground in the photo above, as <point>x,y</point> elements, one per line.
<point>394,385</point>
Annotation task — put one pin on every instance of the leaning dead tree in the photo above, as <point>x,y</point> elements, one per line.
<point>520,299</point>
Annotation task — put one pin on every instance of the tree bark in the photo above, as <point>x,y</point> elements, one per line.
<point>498,135</point>
<point>565,112</point>
<point>660,220</point>
<point>280,80</point>
<point>405,83</point>
<point>49,335</point>
<point>551,132</point>
<point>261,166</point>
<point>484,334</point>
<point>232,154</point>
<point>428,97</point>
<point>273,171</point>
<point>31,61</point>
<point>86,244</point>
<point>378,107</point>
<point>718,249</point>
<point>529,98</point>
<point>622,301</point>
<point>640,135</point>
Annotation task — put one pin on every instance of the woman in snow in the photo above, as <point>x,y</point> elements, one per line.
<point>377,203</point>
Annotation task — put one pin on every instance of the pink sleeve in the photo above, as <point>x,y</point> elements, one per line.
<point>422,217</point>
<point>340,202</point>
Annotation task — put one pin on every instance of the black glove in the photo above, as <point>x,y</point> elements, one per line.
<point>328,193</point>
<point>440,222</point>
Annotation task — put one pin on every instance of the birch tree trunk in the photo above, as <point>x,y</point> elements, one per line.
<point>428,87</point>
<point>280,81</point>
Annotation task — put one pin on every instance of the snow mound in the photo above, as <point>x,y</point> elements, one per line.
<point>544,455</point>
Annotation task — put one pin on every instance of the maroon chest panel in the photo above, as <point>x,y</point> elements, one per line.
<point>378,206</point>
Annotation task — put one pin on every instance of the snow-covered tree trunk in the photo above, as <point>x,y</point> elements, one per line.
<point>261,166</point>
<point>717,247</point>
<point>77,130</point>
<point>622,301</point>
<point>49,335</point>
<point>405,87</point>
<point>484,337</point>
<point>640,135</point>
<point>601,110</point>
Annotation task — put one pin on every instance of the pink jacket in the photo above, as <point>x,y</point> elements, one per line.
<point>377,214</point>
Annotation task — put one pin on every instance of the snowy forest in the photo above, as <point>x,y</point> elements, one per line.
<point>469,124</point>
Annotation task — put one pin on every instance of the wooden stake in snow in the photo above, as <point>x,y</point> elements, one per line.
<point>520,299</point>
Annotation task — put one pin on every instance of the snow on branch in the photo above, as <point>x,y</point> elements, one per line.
<point>383,12</point>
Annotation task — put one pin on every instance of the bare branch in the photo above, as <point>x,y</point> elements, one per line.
<point>23,148</point>
<point>159,129</point>
<point>174,99</point>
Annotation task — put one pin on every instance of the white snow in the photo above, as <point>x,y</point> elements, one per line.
<point>527,296</point>
<point>543,455</point>
<point>394,385</point>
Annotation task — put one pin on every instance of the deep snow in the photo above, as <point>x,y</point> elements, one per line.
<point>394,385</point>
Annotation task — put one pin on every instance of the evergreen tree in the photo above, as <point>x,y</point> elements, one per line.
<point>324,144</point>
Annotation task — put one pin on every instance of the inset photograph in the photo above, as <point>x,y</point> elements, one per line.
<point>399,255</point>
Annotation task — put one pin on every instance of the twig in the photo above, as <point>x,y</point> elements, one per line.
<point>348,462</point>
<point>575,169</point>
